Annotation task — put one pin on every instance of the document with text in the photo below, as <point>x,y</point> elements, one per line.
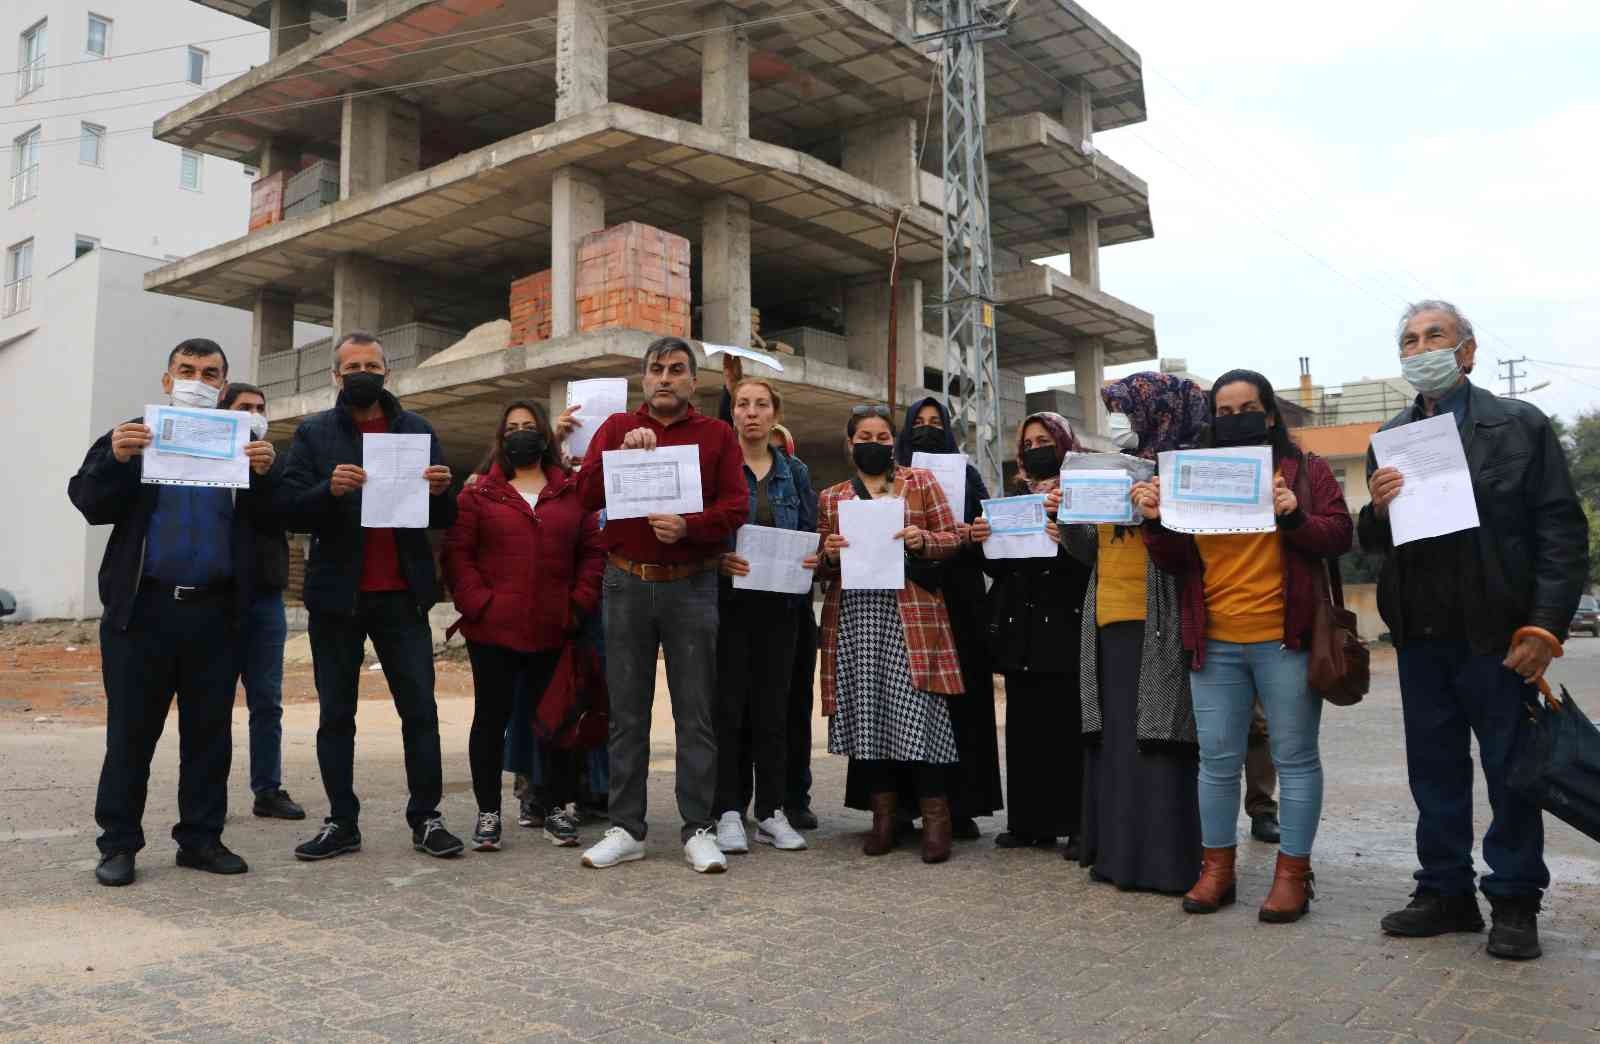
<point>1096,496</point>
<point>875,559</point>
<point>1016,526</point>
<point>774,556</point>
<point>598,398</point>
<point>1218,490</point>
<point>1436,497</point>
<point>660,481</point>
<point>396,493</point>
<point>190,447</point>
<point>951,471</point>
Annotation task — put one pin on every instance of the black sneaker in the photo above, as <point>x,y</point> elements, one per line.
<point>431,837</point>
<point>561,827</point>
<point>1514,936</point>
<point>1265,828</point>
<point>1433,914</point>
<point>530,814</point>
<point>486,836</point>
<point>277,804</point>
<point>801,818</point>
<point>334,839</point>
<point>213,859</point>
<point>115,870</point>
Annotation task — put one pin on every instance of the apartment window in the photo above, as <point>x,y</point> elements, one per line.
<point>82,245</point>
<point>92,145</point>
<point>252,173</point>
<point>19,279</point>
<point>99,39</point>
<point>25,167</point>
<point>198,60</point>
<point>189,171</point>
<point>30,64</point>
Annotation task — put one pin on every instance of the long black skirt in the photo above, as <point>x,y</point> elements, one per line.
<point>1044,755</point>
<point>1141,812</point>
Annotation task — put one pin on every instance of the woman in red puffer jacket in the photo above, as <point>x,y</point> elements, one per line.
<point>524,563</point>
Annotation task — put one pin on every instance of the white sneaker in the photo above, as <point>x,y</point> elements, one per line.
<point>776,831</point>
<point>617,846</point>
<point>730,833</point>
<point>701,852</point>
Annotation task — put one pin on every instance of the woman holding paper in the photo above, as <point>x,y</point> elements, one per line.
<point>1249,606</point>
<point>888,658</point>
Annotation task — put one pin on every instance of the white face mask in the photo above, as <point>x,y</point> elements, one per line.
<point>1126,442</point>
<point>1432,373</point>
<point>258,426</point>
<point>195,394</point>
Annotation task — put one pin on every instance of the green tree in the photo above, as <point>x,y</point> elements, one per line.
<point>1581,439</point>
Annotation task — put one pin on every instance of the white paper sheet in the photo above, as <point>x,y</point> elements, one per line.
<point>1218,490</point>
<point>599,397</point>
<point>1436,497</point>
<point>951,471</point>
<point>875,560</point>
<point>1096,496</point>
<point>395,495</point>
<point>190,447</point>
<point>662,481</point>
<point>764,358</point>
<point>1017,528</point>
<point>774,556</point>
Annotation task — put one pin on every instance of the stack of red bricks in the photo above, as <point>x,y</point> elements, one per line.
<point>530,309</point>
<point>634,276</point>
<point>266,200</point>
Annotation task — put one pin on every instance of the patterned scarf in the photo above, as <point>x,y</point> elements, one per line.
<point>1166,411</point>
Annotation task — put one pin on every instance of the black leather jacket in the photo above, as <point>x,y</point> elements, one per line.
<point>1532,543</point>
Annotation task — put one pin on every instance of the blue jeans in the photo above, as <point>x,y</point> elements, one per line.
<point>261,669</point>
<point>1447,696</point>
<point>1235,675</point>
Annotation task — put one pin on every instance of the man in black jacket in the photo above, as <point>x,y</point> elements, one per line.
<point>362,583</point>
<point>174,582</point>
<point>1476,616</point>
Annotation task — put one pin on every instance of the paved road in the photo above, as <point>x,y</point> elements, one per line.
<point>825,944</point>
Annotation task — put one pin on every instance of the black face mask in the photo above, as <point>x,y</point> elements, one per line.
<point>872,458</point>
<point>925,438</point>
<point>1240,429</point>
<point>1041,462</point>
<point>361,389</point>
<point>524,447</point>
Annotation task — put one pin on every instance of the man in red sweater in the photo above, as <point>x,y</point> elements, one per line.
<point>661,592</point>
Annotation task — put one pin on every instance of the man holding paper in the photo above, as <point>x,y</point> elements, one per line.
<point>176,580</point>
<point>367,580</point>
<point>1476,614</point>
<point>660,592</point>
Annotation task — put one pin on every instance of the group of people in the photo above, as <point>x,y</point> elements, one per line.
<point>1139,662</point>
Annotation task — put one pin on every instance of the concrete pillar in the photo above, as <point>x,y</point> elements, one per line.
<point>367,296</point>
<point>884,154</point>
<point>866,325</point>
<point>725,271</point>
<point>289,21</point>
<point>1077,112</point>
<point>577,208</point>
<point>279,154</point>
<point>271,323</point>
<point>1083,245</point>
<point>1089,373</point>
<point>581,65</point>
<point>380,140</point>
<point>725,74</point>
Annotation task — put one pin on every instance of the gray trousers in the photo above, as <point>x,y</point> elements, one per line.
<point>680,618</point>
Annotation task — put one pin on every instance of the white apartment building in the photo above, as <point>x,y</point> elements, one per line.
<point>91,203</point>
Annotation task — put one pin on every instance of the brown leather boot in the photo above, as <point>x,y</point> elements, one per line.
<point>1216,887</point>
<point>1292,892</point>
<point>935,830</point>
<point>881,839</point>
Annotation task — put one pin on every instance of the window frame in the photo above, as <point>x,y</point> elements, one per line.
<point>25,179</point>
<point>78,240</point>
<point>88,36</point>
<point>16,296</point>
<point>199,170</point>
<point>30,71</point>
<point>87,130</point>
<point>205,65</point>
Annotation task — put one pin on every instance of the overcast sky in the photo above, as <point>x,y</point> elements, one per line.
<point>1445,148</point>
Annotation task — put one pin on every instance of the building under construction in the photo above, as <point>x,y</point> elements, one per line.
<point>432,166</point>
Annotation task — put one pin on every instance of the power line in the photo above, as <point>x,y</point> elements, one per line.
<point>1565,366</point>
<point>151,50</point>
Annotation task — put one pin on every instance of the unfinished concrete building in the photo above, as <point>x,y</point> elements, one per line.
<point>442,150</point>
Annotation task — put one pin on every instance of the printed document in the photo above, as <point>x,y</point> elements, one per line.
<point>775,556</point>
<point>951,471</point>
<point>1218,490</point>
<point>396,494</point>
<point>662,481</point>
<point>1436,497</point>
<point>764,358</point>
<point>875,560</point>
<point>1096,496</point>
<point>190,447</point>
<point>1016,527</point>
<point>599,398</point>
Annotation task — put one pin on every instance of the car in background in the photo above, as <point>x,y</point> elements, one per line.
<point>1587,617</point>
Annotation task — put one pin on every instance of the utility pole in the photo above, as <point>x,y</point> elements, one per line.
<point>1511,376</point>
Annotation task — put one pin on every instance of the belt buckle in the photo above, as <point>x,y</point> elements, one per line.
<point>179,589</point>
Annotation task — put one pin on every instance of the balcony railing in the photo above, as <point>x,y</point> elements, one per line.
<point>310,366</point>
<point>18,296</point>
<point>25,184</point>
<point>30,77</point>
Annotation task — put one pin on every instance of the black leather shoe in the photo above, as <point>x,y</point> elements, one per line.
<point>334,839</point>
<point>1514,935</point>
<point>1265,828</point>
<point>213,859</point>
<point>1013,839</point>
<point>1433,914</point>
<point>277,804</point>
<point>115,870</point>
<point>801,818</point>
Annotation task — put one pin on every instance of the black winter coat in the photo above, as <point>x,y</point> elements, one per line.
<point>1036,613</point>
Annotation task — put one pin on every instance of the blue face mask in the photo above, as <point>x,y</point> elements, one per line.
<point>1432,373</point>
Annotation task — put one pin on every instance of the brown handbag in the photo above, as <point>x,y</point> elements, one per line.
<point>1340,666</point>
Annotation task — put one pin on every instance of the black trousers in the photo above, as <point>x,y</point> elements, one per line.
<point>1044,755</point>
<point>755,665</point>
<point>802,696</point>
<point>187,649</point>
<point>925,780</point>
<point>496,672</point>
<point>404,643</point>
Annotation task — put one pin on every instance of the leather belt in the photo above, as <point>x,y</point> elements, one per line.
<point>655,573</point>
<point>180,593</point>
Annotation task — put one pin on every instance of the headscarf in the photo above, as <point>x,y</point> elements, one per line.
<point>1166,411</point>
<point>1066,441</point>
<point>977,492</point>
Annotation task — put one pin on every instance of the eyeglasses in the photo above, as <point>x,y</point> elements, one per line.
<point>870,409</point>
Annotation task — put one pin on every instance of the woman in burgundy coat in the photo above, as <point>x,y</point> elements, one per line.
<point>524,563</point>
